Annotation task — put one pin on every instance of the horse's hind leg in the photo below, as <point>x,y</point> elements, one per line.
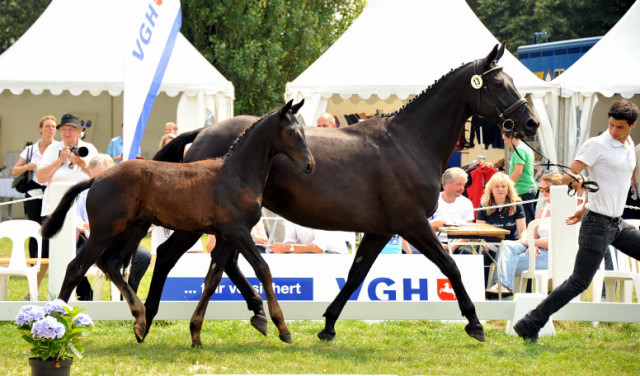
<point>219,257</point>
<point>426,242</point>
<point>168,254</point>
<point>245,244</point>
<point>254,301</point>
<point>368,251</point>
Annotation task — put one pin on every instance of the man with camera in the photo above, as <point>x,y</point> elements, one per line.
<point>65,161</point>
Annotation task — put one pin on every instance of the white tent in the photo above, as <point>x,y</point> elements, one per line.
<point>72,60</point>
<point>608,71</point>
<point>395,49</point>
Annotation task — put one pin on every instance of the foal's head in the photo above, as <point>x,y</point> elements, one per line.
<point>290,139</point>
<point>495,97</point>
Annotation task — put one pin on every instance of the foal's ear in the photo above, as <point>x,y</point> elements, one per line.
<point>285,109</point>
<point>296,107</point>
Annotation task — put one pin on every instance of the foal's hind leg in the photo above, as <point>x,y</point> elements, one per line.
<point>426,242</point>
<point>78,267</point>
<point>111,262</point>
<point>168,254</point>
<point>367,253</point>
<point>244,243</point>
<point>219,257</point>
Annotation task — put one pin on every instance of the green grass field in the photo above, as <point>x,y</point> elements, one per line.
<point>393,347</point>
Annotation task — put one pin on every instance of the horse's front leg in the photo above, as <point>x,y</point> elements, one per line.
<point>253,299</point>
<point>368,251</point>
<point>168,254</point>
<point>244,243</point>
<point>426,241</point>
<point>219,258</point>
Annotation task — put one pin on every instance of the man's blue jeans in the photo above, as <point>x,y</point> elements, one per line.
<point>596,234</point>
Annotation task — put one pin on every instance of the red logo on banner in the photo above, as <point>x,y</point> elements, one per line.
<point>445,291</point>
<point>158,2</point>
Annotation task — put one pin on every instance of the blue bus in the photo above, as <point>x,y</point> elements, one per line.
<point>548,60</point>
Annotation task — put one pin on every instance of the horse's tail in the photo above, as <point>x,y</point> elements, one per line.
<point>53,224</point>
<point>174,150</point>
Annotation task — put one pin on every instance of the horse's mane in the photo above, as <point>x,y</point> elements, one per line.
<point>424,92</point>
<point>245,133</point>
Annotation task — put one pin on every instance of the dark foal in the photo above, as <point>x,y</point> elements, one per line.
<point>219,196</point>
<point>380,176</point>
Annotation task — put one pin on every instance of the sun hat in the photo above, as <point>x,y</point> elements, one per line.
<point>70,119</point>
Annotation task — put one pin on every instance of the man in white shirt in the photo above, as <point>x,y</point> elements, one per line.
<point>610,158</point>
<point>453,207</point>
<point>300,239</point>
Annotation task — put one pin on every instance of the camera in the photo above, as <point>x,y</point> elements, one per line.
<point>79,151</point>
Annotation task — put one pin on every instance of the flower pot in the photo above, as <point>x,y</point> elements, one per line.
<point>50,367</point>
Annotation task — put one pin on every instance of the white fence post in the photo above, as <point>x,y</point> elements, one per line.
<point>62,247</point>
<point>564,238</point>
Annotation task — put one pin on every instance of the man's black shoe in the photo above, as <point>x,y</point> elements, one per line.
<point>523,331</point>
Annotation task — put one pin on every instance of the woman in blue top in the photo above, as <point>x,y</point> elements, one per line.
<point>500,190</point>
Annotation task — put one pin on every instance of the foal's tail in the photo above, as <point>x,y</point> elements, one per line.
<point>53,224</point>
<point>174,150</point>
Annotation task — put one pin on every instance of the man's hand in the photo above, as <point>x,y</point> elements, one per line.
<point>576,217</point>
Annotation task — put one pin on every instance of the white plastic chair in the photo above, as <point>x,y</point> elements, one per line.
<point>18,231</point>
<point>625,274</point>
<point>539,277</point>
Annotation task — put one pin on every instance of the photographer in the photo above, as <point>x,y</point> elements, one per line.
<point>65,161</point>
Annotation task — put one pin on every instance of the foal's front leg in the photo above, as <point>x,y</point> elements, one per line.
<point>244,243</point>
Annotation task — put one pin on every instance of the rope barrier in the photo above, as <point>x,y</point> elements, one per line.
<point>21,200</point>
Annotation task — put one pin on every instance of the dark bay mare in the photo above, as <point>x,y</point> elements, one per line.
<point>380,177</point>
<point>215,196</point>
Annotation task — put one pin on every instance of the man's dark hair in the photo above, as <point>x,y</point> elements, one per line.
<point>624,110</point>
<point>512,134</point>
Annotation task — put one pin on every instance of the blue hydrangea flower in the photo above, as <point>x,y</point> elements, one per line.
<point>83,320</point>
<point>29,314</point>
<point>55,306</point>
<point>48,327</point>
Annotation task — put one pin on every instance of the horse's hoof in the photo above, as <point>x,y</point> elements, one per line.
<point>476,331</point>
<point>327,335</point>
<point>286,338</point>
<point>260,323</point>
<point>196,344</point>
<point>139,333</point>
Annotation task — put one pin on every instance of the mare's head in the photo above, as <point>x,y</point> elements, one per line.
<point>495,97</point>
<point>290,139</point>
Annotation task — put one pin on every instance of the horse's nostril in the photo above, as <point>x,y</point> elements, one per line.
<point>532,124</point>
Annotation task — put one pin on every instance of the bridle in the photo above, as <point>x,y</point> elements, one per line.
<point>478,83</point>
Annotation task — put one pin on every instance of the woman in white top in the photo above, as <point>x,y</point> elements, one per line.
<point>33,153</point>
<point>515,254</point>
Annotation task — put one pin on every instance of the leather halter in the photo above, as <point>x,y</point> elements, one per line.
<point>503,113</point>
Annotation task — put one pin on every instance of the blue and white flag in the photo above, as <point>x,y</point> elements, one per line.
<point>151,46</point>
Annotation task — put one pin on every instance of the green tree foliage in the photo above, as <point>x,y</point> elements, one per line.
<point>515,21</point>
<point>261,45</point>
<point>15,18</point>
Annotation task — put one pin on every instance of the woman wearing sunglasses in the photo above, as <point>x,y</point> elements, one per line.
<point>515,254</point>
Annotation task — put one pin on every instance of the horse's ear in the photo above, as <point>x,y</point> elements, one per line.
<point>495,54</point>
<point>285,109</point>
<point>297,106</point>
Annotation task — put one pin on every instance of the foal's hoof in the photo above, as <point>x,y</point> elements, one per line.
<point>140,333</point>
<point>260,323</point>
<point>286,338</point>
<point>475,331</point>
<point>327,335</point>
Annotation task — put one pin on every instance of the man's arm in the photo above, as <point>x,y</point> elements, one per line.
<point>573,175</point>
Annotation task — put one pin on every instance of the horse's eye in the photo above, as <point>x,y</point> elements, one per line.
<point>289,132</point>
<point>499,85</point>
